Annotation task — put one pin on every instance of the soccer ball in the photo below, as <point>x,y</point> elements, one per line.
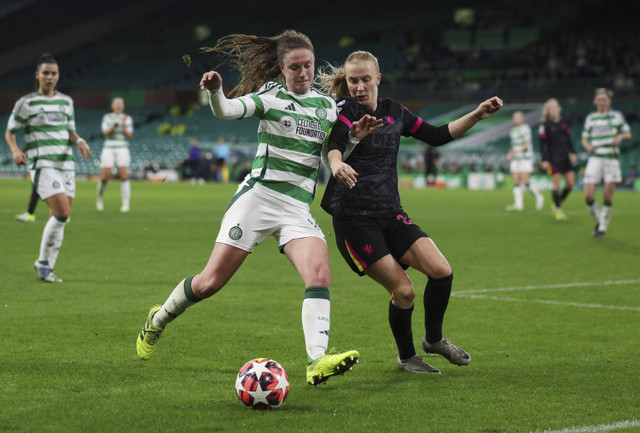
<point>262,384</point>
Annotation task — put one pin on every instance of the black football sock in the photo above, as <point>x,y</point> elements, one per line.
<point>400,322</point>
<point>436,298</point>
<point>565,193</point>
<point>555,195</point>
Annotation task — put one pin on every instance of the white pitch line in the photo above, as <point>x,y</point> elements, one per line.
<point>596,428</point>
<point>550,286</point>
<point>543,301</point>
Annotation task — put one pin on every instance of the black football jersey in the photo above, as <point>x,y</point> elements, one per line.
<point>375,158</point>
<point>555,142</point>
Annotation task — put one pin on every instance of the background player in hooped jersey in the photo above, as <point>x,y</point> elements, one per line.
<point>117,129</point>
<point>603,132</point>
<point>557,154</point>
<point>521,163</point>
<point>274,198</point>
<point>373,233</point>
<point>47,117</point>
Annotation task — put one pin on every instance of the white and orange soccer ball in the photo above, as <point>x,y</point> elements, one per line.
<point>262,384</point>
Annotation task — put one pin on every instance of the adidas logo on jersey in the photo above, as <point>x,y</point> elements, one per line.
<point>290,107</point>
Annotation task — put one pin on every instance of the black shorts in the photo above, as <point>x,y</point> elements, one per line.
<point>563,167</point>
<point>362,241</point>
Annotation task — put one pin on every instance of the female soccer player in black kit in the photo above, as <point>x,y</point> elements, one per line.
<point>374,234</point>
<point>558,154</point>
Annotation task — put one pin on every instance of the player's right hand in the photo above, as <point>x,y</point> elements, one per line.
<point>211,81</point>
<point>19,158</point>
<point>345,174</point>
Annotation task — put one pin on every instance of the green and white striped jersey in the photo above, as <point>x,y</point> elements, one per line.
<point>601,128</point>
<point>291,132</point>
<point>519,135</point>
<point>116,139</point>
<point>47,122</point>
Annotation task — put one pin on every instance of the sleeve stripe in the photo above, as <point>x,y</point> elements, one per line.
<point>344,120</point>
<point>416,126</point>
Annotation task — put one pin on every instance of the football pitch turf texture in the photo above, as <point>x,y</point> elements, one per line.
<point>549,314</point>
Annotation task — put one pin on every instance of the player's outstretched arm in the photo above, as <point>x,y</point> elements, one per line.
<point>221,107</point>
<point>466,122</point>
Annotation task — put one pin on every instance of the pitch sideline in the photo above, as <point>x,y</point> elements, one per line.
<point>549,286</point>
<point>596,428</point>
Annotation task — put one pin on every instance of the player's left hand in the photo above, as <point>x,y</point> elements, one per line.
<point>363,127</point>
<point>616,141</point>
<point>83,149</point>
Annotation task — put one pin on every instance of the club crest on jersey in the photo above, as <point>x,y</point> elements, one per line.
<point>235,232</point>
<point>287,123</point>
<point>321,113</point>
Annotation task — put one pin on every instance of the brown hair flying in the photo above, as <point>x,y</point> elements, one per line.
<point>257,57</point>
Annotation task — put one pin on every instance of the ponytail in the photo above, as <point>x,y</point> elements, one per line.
<point>257,58</point>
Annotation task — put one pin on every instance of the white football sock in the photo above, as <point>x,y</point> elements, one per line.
<point>533,190</point>
<point>316,312</point>
<point>605,217</point>
<point>125,192</point>
<point>52,237</point>
<point>593,210</point>
<point>518,198</point>
<point>177,303</point>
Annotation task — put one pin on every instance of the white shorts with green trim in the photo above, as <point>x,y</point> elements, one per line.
<point>253,216</point>
<point>51,181</point>
<point>115,157</point>
<point>521,166</point>
<point>599,168</point>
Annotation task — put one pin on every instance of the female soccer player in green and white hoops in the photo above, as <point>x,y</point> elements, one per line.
<point>49,126</point>
<point>603,132</point>
<point>274,198</point>
<point>117,129</point>
<point>520,158</point>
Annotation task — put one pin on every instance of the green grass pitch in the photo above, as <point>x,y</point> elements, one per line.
<point>549,314</point>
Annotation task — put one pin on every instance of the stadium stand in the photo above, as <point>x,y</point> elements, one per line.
<point>438,59</point>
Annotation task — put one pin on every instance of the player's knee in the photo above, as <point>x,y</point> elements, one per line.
<point>62,214</point>
<point>441,270</point>
<point>403,296</point>
<point>206,287</point>
<point>320,277</point>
